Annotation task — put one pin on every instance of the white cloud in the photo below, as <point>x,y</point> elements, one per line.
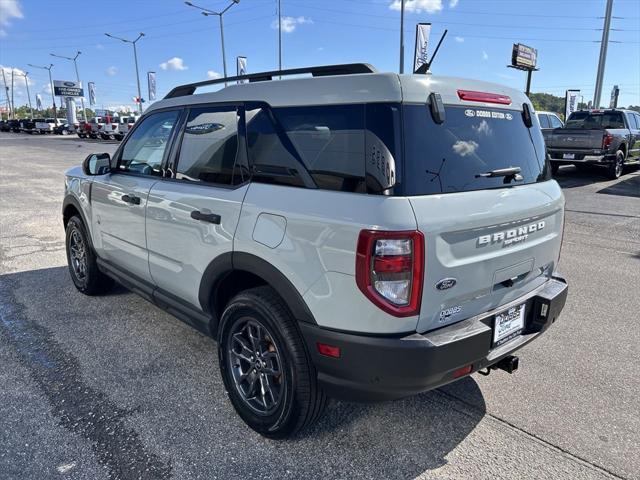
<point>464,148</point>
<point>320,49</point>
<point>418,6</point>
<point>175,63</point>
<point>485,55</point>
<point>289,24</point>
<point>483,128</point>
<point>111,71</point>
<point>9,9</point>
<point>453,3</point>
<point>99,46</point>
<point>18,75</point>
<point>213,74</point>
<point>459,39</point>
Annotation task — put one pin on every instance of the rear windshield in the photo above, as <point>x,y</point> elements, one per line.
<point>449,157</point>
<point>595,120</point>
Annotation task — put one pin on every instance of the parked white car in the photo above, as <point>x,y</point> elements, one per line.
<point>48,125</point>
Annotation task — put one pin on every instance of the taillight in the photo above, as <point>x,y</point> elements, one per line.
<point>113,126</point>
<point>607,140</point>
<point>472,96</point>
<point>390,269</point>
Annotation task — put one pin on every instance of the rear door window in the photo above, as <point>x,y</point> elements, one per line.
<point>209,145</point>
<point>455,156</point>
<point>555,121</point>
<point>544,120</point>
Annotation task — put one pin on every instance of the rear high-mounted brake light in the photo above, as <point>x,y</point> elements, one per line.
<point>472,96</point>
<point>607,140</point>
<point>390,269</point>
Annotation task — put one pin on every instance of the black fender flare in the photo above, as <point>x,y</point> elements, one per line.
<point>70,199</point>
<point>229,262</point>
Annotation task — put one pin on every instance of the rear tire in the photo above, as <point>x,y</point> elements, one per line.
<point>81,259</point>
<point>616,168</point>
<point>258,336</point>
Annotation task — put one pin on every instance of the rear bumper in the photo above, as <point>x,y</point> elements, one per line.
<point>383,368</point>
<point>590,156</point>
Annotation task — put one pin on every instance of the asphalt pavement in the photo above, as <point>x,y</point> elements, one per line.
<point>113,387</point>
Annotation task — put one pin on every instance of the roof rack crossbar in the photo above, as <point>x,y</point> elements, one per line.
<point>321,71</point>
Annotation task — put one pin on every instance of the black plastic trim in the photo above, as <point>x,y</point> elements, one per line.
<point>229,262</point>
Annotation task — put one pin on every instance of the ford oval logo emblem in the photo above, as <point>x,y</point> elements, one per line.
<point>70,84</point>
<point>446,283</point>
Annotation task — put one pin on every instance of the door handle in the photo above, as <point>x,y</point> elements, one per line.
<point>132,199</point>
<point>206,217</point>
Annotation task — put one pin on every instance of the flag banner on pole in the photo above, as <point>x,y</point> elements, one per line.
<point>570,102</point>
<point>39,101</point>
<point>241,67</point>
<point>151,81</point>
<point>422,42</point>
<point>92,93</point>
<point>615,93</point>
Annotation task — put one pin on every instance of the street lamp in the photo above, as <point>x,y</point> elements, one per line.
<point>207,13</point>
<point>53,98</point>
<point>75,64</point>
<point>26,83</point>
<point>135,57</point>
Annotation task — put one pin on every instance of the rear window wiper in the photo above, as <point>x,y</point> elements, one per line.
<point>511,173</point>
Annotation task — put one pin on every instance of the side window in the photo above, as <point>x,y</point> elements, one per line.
<point>330,140</point>
<point>555,121</point>
<point>544,120</point>
<point>637,117</point>
<point>272,157</point>
<point>145,148</point>
<point>209,145</point>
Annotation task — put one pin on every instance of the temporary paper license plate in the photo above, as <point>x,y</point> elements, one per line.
<point>508,325</point>
<point>569,156</point>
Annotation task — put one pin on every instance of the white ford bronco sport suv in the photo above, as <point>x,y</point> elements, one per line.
<point>357,235</point>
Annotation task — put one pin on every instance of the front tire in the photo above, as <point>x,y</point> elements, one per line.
<point>616,168</point>
<point>265,367</point>
<point>81,259</point>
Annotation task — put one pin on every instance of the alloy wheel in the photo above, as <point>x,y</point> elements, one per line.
<point>256,366</point>
<point>78,254</point>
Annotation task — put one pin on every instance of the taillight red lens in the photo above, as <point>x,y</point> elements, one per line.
<point>328,350</point>
<point>607,140</point>
<point>472,96</point>
<point>390,269</point>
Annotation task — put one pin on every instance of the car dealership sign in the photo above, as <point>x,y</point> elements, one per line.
<point>64,88</point>
<point>524,57</point>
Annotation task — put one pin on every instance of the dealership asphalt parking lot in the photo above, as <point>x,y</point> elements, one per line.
<point>113,387</point>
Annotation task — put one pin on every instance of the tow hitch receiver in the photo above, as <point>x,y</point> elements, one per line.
<point>509,364</point>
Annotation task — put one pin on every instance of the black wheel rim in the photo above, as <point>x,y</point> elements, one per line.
<point>618,167</point>
<point>256,366</point>
<point>78,255</point>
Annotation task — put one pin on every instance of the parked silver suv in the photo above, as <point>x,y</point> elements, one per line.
<point>358,235</point>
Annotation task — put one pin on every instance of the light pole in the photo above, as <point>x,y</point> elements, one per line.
<point>53,97</point>
<point>279,37</point>
<point>26,84</point>
<point>135,58</point>
<point>75,64</point>
<point>6,92</point>
<point>206,12</point>
<point>603,54</point>
<point>402,36</point>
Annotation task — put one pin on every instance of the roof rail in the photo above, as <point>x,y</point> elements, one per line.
<point>321,71</point>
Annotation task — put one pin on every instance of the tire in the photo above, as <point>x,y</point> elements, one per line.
<point>554,168</point>
<point>81,260</point>
<point>616,168</point>
<point>296,400</point>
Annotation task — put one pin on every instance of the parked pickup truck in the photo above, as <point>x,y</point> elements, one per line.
<point>608,138</point>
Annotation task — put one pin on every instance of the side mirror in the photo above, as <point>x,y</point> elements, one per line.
<point>97,164</point>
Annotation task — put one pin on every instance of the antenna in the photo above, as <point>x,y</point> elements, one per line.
<point>424,68</point>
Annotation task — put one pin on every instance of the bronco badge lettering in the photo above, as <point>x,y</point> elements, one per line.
<point>509,237</point>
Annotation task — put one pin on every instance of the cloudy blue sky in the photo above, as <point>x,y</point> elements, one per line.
<point>183,46</point>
